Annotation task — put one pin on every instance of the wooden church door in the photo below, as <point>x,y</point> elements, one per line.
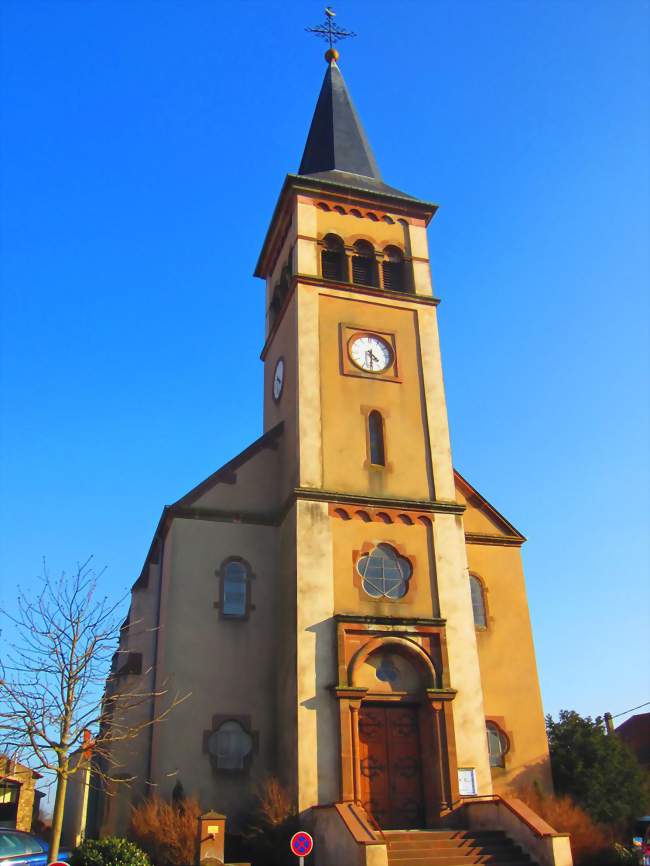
<point>390,767</point>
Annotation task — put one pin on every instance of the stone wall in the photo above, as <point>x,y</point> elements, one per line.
<point>11,771</point>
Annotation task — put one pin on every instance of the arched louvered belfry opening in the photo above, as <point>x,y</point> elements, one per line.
<point>393,270</point>
<point>333,261</point>
<point>275,306</point>
<point>376,439</point>
<point>280,291</point>
<point>364,266</point>
<point>285,283</point>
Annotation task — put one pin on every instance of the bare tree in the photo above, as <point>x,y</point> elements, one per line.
<point>58,680</point>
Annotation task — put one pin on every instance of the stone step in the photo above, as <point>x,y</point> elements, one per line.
<point>443,858</point>
<point>444,831</point>
<point>453,848</point>
<point>452,844</point>
<point>426,860</point>
<point>504,853</point>
<point>449,858</point>
<point>441,835</point>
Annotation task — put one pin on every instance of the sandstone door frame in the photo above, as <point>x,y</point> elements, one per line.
<point>420,642</point>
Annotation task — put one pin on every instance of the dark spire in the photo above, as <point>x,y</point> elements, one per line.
<point>336,140</point>
<point>337,150</point>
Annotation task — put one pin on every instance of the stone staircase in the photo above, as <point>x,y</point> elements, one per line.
<point>453,848</point>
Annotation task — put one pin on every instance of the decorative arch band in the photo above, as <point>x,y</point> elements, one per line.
<point>380,515</point>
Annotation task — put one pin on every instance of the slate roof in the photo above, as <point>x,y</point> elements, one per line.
<point>337,149</point>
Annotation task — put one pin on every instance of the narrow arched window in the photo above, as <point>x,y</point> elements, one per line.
<point>497,744</point>
<point>333,263</point>
<point>376,439</point>
<point>230,745</point>
<point>393,270</point>
<point>478,602</point>
<point>364,271</point>
<point>234,594</point>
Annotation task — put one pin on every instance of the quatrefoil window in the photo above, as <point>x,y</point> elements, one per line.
<point>385,573</point>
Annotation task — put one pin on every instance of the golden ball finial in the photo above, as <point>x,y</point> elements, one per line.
<point>331,54</point>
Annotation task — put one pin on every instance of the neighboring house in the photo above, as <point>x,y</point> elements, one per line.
<point>19,799</point>
<point>635,732</point>
<point>347,611</point>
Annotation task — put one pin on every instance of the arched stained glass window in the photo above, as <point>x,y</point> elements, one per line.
<point>376,438</point>
<point>478,602</point>
<point>230,744</point>
<point>497,744</point>
<point>235,589</point>
<point>385,573</point>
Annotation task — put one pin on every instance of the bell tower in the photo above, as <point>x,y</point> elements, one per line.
<point>353,373</point>
<point>359,246</point>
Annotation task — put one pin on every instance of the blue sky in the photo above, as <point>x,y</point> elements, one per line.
<point>143,147</point>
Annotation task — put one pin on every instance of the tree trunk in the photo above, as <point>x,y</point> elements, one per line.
<point>57,816</point>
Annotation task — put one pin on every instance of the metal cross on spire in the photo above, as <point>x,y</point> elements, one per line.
<point>331,32</point>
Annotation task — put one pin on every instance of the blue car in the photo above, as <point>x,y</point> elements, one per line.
<point>24,848</point>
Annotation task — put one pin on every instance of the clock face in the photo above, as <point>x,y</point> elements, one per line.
<point>371,353</point>
<point>278,379</point>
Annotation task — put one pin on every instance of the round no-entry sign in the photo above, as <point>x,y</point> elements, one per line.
<point>301,844</point>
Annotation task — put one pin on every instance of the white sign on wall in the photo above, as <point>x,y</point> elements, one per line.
<point>467,782</point>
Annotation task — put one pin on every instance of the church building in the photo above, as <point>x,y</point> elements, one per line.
<point>347,611</point>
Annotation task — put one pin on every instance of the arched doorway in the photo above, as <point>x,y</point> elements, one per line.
<point>396,676</point>
<point>398,755</point>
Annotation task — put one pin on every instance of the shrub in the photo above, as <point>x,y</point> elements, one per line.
<point>109,852</point>
<point>589,765</point>
<point>274,803</point>
<point>166,831</point>
<point>274,823</point>
<point>590,842</point>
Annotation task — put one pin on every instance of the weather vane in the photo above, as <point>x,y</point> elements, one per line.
<point>331,32</point>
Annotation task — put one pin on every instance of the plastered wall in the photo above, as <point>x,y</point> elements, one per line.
<point>508,669</point>
<point>285,346</point>
<point>346,401</point>
<point>228,665</point>
<point>316,669</point>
